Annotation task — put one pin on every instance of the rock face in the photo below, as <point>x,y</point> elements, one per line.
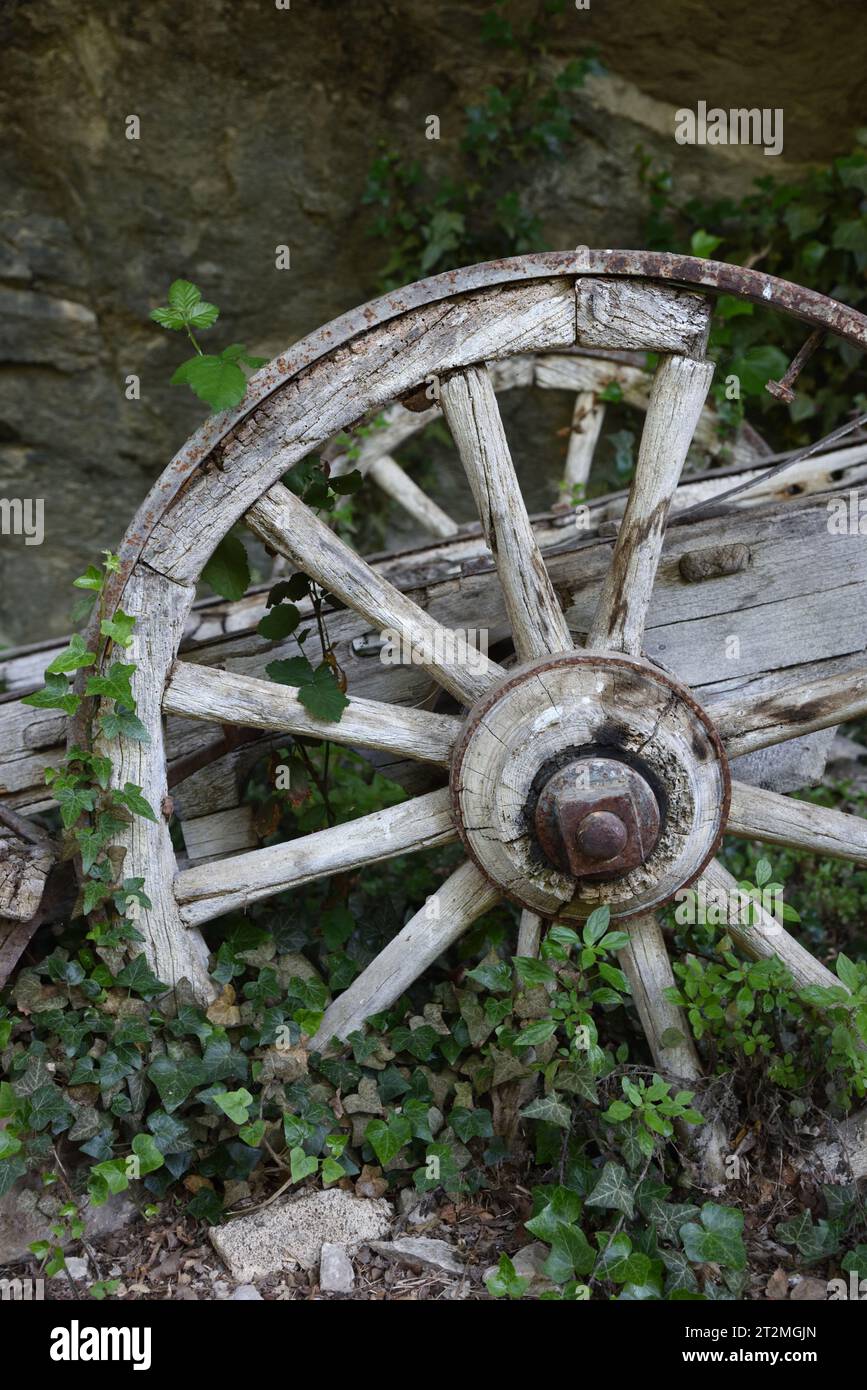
<point>265,141</point>
<point>285,1236</point>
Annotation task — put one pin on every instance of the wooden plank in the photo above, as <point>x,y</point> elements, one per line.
<point>202,692</point>
<point>205,893</point>
<point>219,835</point>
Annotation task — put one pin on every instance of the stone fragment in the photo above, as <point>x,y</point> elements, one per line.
<point>280,1237</point>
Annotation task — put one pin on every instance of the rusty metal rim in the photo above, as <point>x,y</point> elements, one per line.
<point>580,658</point>
<point>689,272</point>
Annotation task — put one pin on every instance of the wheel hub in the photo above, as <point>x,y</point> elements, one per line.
<point>584,780</point>
<point>597,816</point>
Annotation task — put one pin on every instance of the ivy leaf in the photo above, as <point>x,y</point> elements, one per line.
<point>571,1254</point>
<point>235,1104</point>
<point>131,797</point>
<point>332,1171</point>
<point>175,1079</point>
<point>718,1238</point>
<point>347,483</point>
<point>73,657</point>
<point>138,976</point>
<point>122,723</point>
<point>494,976</point>
<point>301,1165</point>
<point>318,690</point>
<point>228,570</point>
<point>91,579</point>
<point>115,685</point>
<point>387,1138</point>
<point>55,694</point>
<point>252,1134</point>
<point>549,1109</point>
<point>614,1190</point>
<point>73,802</point>
<point>535,1033</point>
<point>119,627</point>
<point>149,1156</point>
<point>216,380</point>
<point>758,365</point>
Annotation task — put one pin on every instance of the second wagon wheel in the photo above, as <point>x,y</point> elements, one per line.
<point>577,777</point>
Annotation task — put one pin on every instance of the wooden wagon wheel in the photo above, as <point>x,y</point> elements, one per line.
<point>576,777</point>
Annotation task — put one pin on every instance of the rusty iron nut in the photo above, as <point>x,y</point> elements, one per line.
<point>597,816</point>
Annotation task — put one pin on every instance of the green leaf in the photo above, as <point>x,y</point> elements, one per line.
<point>119,627</point>
<point>92,578</point>
<point>571,1254</point>
<point>131,797</point>
<point>218,381</point>
<point>279,622</point>
<point>235,1104</point>
<point>848,972</point>
<point>138,976</point>
<point>115,684</point>
<point>387,1138</point>
<point>73,802</point>
<point>596,925</point>
<point>550,1109</point>
<point>702,244</point>
<point>175,1079</point>
<point>301,1165</point>
<point>72,657</point>
<point>535,1033</point>
<point>332,1171</point>
<point>614,1190</point>
<point>758,365</point>
<point>318,690</point>
<point>122,723</point>
<point>533,972</point>
<point>494,976</point>
<point>149,1156</point>
<point>228,570</point>
<point>506,1283</point>
<point>717,1239</point>
<point>851,236</point>
<point>252,1134</point>
<point>55,694</point>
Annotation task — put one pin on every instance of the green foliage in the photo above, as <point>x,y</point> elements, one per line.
<point>216,378</point>
<point>433,223</point>
<point>812,232</point>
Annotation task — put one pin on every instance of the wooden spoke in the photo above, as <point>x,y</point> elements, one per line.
<point>781,820</point>
<point>470,407</point>
<point>443,919</point>
<point>210,890</point>
<point>746,723</point>
<point>646,965</point>
<point>529,934</point>
<point>387,473</point>
<point>587,417</point>
<point>680,386</point>
<point>765,937</point>
<point>202,692</point>
<point>283,522</point>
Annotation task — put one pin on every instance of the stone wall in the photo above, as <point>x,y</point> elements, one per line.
<point>257,129</point>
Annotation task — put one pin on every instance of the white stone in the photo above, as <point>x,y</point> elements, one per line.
<point>336,1274</point>
<point>280,1237</point>
<point>246,1293</point>
<point>433,1254</point>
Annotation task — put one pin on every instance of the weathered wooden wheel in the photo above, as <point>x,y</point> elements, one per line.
<point>577,777</point>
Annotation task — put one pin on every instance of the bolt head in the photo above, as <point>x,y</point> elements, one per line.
<point>597,817</point>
